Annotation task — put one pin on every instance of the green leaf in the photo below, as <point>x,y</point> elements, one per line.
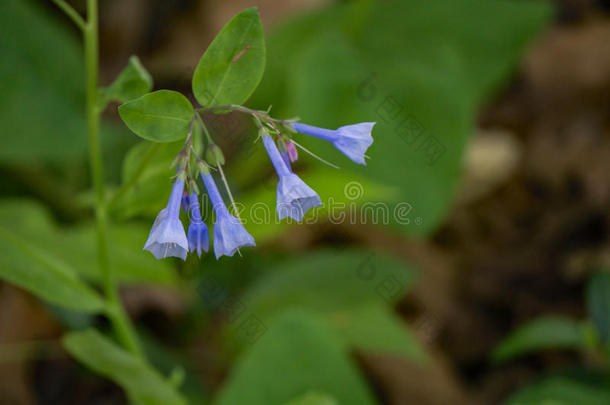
<point>337,285</point>
<point>598,303</point>
<point>141,382</point>
<point>160,116</point>
<point>76,245</point>
<point>133,82</point>
<point>41,86</point>
<point>329,281</point>
<point>297,354</point>
<point>542,333</point>
<point>44,275</point>
<point>146,178</point>
<point>375,328</point>
<point>314,398</point>
<point>562,390</point>
<point>438,63</point>
<point>233,65</point>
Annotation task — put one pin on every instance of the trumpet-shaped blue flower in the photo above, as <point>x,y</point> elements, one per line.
<point>294,197</point>
<point>229,233</point>
<point>198,234</point>
<point>167,237</point>
<point>351,140</point>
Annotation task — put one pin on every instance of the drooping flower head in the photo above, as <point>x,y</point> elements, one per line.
<point>351,140</point>
<point>294,197</point>
<point>229,233</point>
<point>198,234</point>
<point>167,237</point>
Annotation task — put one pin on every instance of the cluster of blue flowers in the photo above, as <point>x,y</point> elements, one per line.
<point>294,197</point>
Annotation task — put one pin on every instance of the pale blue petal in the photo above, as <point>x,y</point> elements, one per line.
<point>295,198</point>
<point>168,239</point>
<point>229,234</point>
<point>354,140</point>
<point>198,237</point>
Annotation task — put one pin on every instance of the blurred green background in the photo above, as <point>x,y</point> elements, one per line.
<point>486,283</point>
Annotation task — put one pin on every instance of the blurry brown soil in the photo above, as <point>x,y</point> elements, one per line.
<point>528,227</point>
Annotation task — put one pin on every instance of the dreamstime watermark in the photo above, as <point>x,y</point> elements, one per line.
<point>391,112</point>
<point>387,286</point>
<point>249,328</point>
<point>349,210</point>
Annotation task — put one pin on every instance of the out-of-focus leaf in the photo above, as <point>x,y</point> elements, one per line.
<point>41,86</point>
<point>147,179</point>
<point>598,303</point>
<point>562,390</point>
<point>337,285</point>
<point>133,82</point>
<point>539,334</point>
<point>141,382</point>
<point>374,328</point>
<point>314,398</point>
<point>76,245</point>
<point>329,281</point>
<point>233,65</point>
<point>438,62</point>
<point>296,355</point>
<point>169,361</point>
<point>44,275</point>
<point>160,116</point>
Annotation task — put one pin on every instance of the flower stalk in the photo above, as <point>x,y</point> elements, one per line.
<point>115,311</point>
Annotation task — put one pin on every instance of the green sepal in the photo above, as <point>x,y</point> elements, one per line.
<point>214,155</point>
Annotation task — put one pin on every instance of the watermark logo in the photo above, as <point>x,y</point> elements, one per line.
<point>249,328</point>
<point>389,287</point>
<point>348,210</point>
<point>353,190</point>
<point>391,112</point>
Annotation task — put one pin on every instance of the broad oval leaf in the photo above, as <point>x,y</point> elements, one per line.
<point>339,285</point>
<point>328,281</point>
<point>375,328</point>
<point>160,116</point>
<point>44,275</point>
<point>143,384</point>
<point>598,303</point>
<point>297,354</point>
<point>233,65</point>
<point>542,333</point>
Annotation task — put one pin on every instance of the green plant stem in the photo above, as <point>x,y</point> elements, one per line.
<point>240,108</point>
<point>115,311</point>
<point>70,12</point>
